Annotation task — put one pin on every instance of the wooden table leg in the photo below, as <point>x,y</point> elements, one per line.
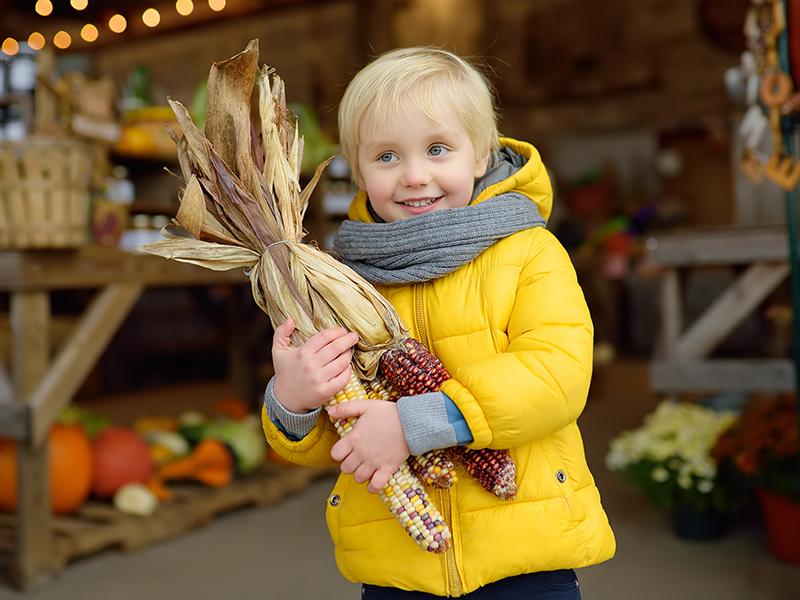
<point>34,560</point>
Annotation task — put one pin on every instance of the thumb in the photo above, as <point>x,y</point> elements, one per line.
<point>283,332</point>
<point>353,408</point>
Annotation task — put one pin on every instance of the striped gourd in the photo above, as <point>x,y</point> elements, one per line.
<point>404,495</point>
<point>413,370</point>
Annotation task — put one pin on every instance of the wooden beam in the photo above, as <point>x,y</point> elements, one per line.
<point>729,310</point>
<point>671,312</point>
<point>32,564</point>
<point>6,392</point>
<point>94,266</point>
<point>728,246</point>
<point>80,353</point>
<point>766,376</point>
<point>15,421</point>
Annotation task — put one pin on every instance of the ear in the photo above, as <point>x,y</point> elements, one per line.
<point>480,166</point>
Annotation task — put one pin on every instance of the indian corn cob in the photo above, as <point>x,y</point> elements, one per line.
<point>493,469</point>
<point>412,370</point>
<point>404,494</point>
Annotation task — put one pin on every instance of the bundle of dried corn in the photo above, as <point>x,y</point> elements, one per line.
<point>243,207</point>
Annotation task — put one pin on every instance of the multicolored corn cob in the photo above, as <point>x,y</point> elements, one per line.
<point>406,498</point>
<point>493,469</point>
<point>435,467</point>
<point>403,495</point>
<point>412,370</point>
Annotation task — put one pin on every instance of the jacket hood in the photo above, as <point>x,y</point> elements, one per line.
<point>517,168</point>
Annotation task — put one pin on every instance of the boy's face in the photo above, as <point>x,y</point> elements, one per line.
<point>411,165</point>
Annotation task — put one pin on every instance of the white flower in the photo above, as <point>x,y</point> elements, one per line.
<point>704,486</point>
<point>659,474</point>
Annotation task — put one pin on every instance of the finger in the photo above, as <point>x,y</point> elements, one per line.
<point>283,333</point>
<point>340,450</point>
<point>337,365</point>
<point>379,481</point>
<point>336,385</point>
<point>350,464</point>
<point>336,347</point>
<point>364,473</point>
<point>353,408</point>
<point>319,340</point>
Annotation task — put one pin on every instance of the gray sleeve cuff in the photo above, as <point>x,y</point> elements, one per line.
<point>425,422</point>
<point>294,425</point>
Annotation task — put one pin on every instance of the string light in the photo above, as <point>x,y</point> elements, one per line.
<point>79,4</point>
<point>43,7</point>
<point>151,17</point>
<point>216,5</point>
<point>117,23</point>
<point>62,40</point>
<point>184,7</point>
<point>36,40</point>
<point>10,46</point>
<point>89,33</point>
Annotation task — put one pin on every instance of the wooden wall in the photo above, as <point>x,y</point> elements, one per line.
<point>559,65</point>
<point>579,65</point>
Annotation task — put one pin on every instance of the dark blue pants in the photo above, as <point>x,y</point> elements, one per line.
<point>547,585</point>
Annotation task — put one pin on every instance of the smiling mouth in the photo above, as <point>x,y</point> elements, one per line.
<point>421,202</point>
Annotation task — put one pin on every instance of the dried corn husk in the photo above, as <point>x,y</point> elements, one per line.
<point>243,206</point>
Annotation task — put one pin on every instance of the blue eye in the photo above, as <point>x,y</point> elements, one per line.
<point>437,150</point>
<point>386,157</point>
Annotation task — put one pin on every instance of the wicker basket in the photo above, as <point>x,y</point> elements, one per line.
<point>44,193</point>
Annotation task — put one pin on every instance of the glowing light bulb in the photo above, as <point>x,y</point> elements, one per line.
<point>117,23</point>
<point>10,46</point>
<point>43,7</point>
<point>216,5</point>
<point>184,7</point>
<point>36,40</point>
<point>151,17</point>
<point>79,4</point>
<point>62,40</point>
<point>89,33</point>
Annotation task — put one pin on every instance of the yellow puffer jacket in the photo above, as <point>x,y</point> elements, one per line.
<point>513,329</point>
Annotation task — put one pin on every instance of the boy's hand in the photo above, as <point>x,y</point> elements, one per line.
<point>375,447</point>
<point>308,376</point>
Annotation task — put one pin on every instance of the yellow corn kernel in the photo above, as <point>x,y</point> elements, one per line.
<point>352,391</point>
<point>434,468</point>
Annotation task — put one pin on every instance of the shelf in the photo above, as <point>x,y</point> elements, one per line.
<point>154,160</point>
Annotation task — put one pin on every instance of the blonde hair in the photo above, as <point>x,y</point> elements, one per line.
<point>426,77</point>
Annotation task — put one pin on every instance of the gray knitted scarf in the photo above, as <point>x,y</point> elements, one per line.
<point>432,245</point>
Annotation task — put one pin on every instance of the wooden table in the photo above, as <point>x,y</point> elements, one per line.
<point>38,388</point>
<point>682,363</point>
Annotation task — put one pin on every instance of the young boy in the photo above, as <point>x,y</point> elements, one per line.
<point>448,223</point>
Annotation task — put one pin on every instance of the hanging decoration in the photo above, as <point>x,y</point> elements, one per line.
<point>771,97</point>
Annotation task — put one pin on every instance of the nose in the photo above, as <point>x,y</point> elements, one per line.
<point>415,174</point>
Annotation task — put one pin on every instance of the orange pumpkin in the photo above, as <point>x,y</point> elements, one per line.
<point>70,456</point>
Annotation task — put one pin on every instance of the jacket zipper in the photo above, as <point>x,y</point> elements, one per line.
<point>444,499</point>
